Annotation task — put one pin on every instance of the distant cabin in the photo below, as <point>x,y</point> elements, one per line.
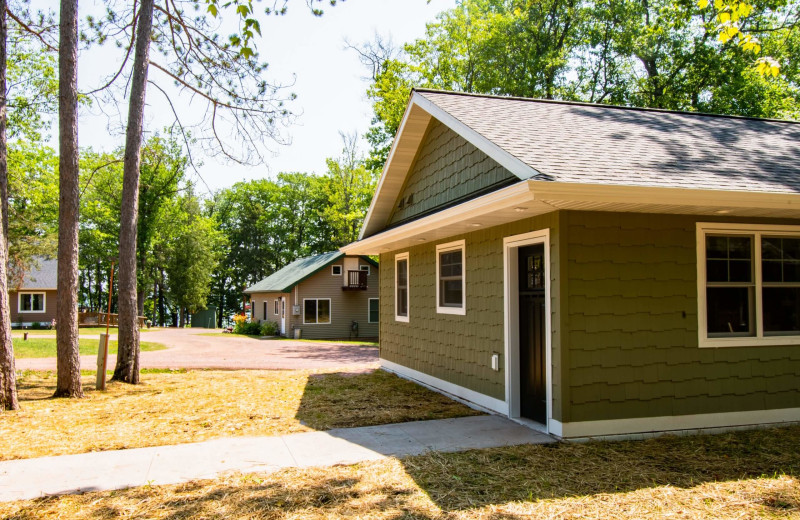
<point>34,299</point>
<point>327,296</point>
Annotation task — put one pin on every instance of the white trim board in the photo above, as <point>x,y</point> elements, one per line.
<point>673,423</point>
<point>465,395</point>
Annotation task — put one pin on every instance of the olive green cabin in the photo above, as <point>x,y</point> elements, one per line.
<point>592,271</point>
<point>327,296</point>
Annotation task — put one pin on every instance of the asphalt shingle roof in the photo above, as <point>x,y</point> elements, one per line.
<point>596,144</point>
<point>285,279</point>
<point>43,277</point>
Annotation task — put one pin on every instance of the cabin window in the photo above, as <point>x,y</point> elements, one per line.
<point>364,267</point>
<point>31,302</point>
<point>266,307</point>
<point>373,313</point>
<point>277,307</point>
<point>401,287</point>
<point>450,288</point>
<point>749,285</point>
<point>316,311</point>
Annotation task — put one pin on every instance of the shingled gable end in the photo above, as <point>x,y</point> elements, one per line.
<point>598,270</point>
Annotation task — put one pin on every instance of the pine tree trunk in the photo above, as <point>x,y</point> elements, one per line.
<point>127,368</point>
<point>68,381</point>
<point>8,374</point>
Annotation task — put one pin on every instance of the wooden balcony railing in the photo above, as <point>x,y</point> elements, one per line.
<point>355,281</point>
<point>99,319</point>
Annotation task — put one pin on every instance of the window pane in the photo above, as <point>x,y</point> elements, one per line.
<point>402,273</point>
<point>739,247</point>
<point>374,311</point>
<point>323,311</point>
<point>791,271</point>
<point>717,270</point>
<point>740,271</point>
<point>781,310</point>
<point>729,311</point>
<point>402,301</point>
<point>310,311</point>
<point>716,247</point>
<point>26,302</point>
<point>771,271</point>
<point>450,293</point>
<point>771,248</point>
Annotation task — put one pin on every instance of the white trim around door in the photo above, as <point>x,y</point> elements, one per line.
<point>511,247</point>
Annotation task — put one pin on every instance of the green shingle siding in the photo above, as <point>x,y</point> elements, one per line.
<point>458,348</point>
<point>447,168</point>
<point>631,310</point>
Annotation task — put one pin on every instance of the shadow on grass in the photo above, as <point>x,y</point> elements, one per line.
<point>348,399</point>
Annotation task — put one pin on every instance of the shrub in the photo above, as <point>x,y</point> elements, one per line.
<point>251,328</point>
<point>36,326</point>
<point>269,328</point>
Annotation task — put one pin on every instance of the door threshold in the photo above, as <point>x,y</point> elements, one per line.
<point>530,423</point>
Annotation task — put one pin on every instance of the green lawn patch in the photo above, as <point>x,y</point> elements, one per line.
<point>46,347</point>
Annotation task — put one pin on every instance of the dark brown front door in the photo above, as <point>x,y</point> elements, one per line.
<point>533,391</point>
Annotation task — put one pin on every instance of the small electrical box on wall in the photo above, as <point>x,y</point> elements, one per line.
<point>496,362</point>
<point>295,310</point>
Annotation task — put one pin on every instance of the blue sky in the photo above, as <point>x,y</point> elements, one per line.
<point>328,80</point>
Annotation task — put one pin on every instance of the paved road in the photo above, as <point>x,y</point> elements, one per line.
<point>187,348</point>
<point>31,478</point>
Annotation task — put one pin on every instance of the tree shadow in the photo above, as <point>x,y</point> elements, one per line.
<point>350,399</point>
<point>554,471</point>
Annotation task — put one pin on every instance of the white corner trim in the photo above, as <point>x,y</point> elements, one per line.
<point>470,397</point>
<point>673,423</point>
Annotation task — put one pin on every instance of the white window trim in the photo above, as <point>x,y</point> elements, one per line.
<point>277,307</point>
<point>397,258</point>
<point>362,268</point>
<point>444,248</point>
<point>333,270</point>
<point>44,302</point>
<point>330,311</point>
<point>379,310</point>
<point>706,228</point>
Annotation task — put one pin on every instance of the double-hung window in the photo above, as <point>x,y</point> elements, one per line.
<point>373,313</point>
<point>748,285</point>
<point>401,287</point>
<point>277,307</point>
<point>31,302</point>
<point>450,293</point>
<point>316,311</point>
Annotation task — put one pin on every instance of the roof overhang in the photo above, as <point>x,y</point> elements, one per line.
<point>418,115</point>
<point>530,198</point>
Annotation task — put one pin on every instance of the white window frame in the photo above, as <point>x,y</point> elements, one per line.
<point>446,248</point>
<point>756,231</point>
<point>369,300</point>
<point>397,258</point>
<point>277,307</point>
<point>333,270</point>
<point>44,302</point>
<point>365,267</point>
<point>330,311</point>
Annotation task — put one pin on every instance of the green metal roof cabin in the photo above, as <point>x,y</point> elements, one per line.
<point>327,296</point>
<point>594,271</point>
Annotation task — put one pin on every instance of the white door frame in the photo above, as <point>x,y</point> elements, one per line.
<point>283,315</point>
<point>511,247</point>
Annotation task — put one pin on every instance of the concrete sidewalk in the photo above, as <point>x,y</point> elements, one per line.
<point>31,478</point>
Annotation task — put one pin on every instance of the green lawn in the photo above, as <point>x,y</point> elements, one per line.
<point>46,347</point>
<point>83,330</point>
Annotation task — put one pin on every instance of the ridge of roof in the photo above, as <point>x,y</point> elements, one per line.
<point>602,105</point>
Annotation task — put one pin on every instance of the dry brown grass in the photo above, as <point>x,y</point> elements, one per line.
<point>177,407</point>
<point>739,475</point>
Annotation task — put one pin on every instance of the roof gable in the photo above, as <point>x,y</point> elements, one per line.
<point>575,143</point>
<point>42,275</point>
<point>301,269</point>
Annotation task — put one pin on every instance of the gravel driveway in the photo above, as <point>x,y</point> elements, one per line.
<point>187,348</point>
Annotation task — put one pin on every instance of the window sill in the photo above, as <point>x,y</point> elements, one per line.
<point>402,319</point>
<point>749,342</point>
<point>451,310</point>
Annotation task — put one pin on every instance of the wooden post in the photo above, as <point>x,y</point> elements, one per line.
<point>102,350</point>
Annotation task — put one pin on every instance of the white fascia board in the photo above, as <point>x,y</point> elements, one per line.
<point>660,196</point>
<point>455,217</point>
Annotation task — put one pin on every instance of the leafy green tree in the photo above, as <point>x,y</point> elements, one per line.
<point>194,252</point>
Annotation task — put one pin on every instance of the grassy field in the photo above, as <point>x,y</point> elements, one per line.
<point>83,330</point>
<point>46,347</point>
<point>738,475</point>
<point>177,407</point>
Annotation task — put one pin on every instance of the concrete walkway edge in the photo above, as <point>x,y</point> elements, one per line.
<point>106,470</point>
